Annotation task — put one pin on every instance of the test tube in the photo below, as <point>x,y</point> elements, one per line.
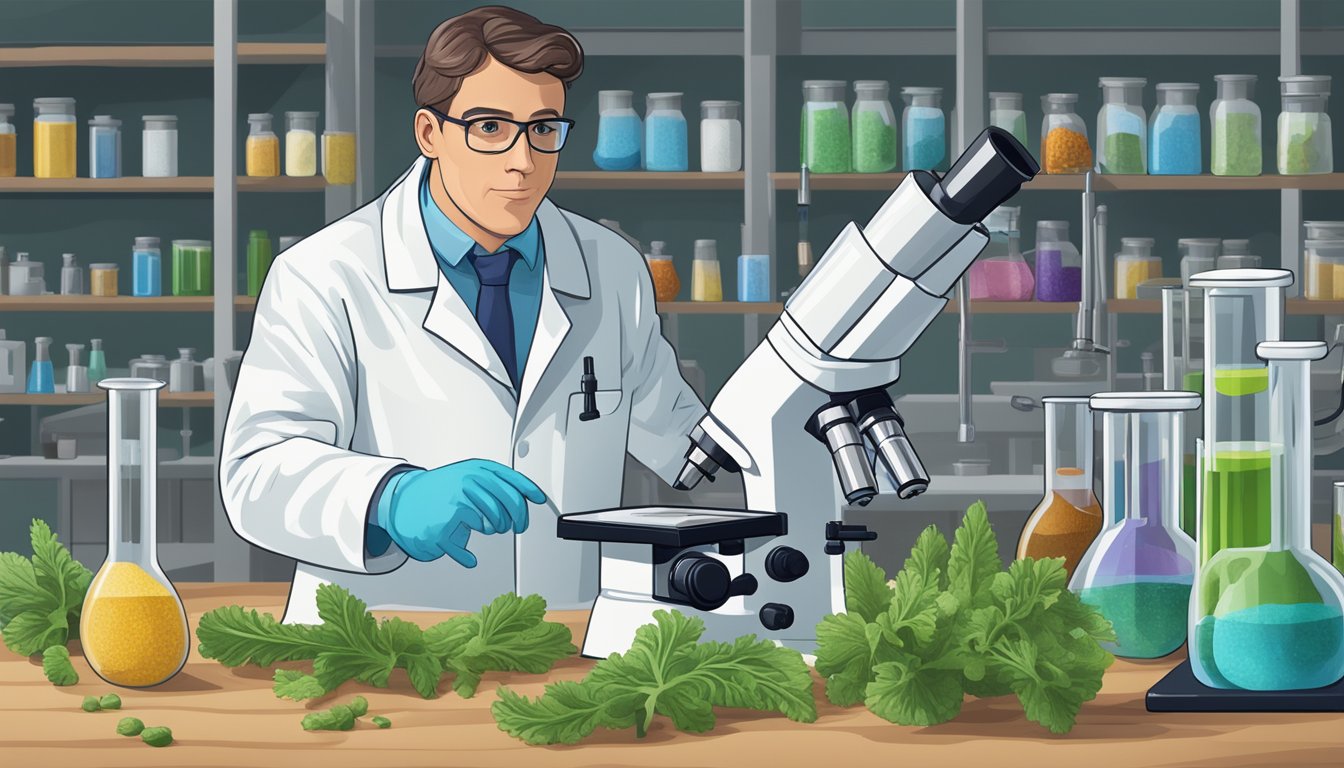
<point>132,466</point>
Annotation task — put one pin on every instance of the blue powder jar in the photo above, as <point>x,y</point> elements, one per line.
<point>104,148</point>
<point>753,277</point>
<point>1174,131</point>
<point>619,132</point>
<point>664,133</point>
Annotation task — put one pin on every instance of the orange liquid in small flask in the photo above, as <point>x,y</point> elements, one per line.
<point>133,627</point>
<point>1069,516</point>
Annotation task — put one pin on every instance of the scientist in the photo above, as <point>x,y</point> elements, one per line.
<point>412,413</point>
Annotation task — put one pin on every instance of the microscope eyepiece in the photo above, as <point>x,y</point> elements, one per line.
<point>991,170</point>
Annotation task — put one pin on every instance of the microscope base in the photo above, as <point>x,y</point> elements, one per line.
<point>616,617</point>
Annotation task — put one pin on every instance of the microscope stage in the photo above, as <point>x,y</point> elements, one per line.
<point>670,526</point>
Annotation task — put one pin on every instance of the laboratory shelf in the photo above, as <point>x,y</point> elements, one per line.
<point>1018,307</point>
<point>166,399</point>
<point>202,185</point>
<point>720,307</point>
<point>106,303</point>
<point>649,180</point>
<point>158,55</point>
<point>1100,182</point>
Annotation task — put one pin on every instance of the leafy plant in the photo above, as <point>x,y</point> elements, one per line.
<point>338,718</point>
<point>40,599</point>
<point>57,667</point>
<point>665,672</point>
<point>510,634</point>
<point>954,622</point>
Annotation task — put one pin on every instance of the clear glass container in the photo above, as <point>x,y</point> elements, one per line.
<point>146,267</point>
<point>1134,264</point>
<point>185,374</point>
<point>160,145</point>
<point>664,133</point>
<point>72,276</point>
<point>1323,262</point>
<point>924,128</point>
<point>1238,261</point>
<point>13,365</point>
<point>666,284</point>
<point>874,140</point>
<point>1183,369</point>
<point>133,628</point>
<point>1174,146</point>
<point>9,145</point>
<point>1237,247</point>
<point>1064,145</point>
<point>1337,529</point>
<point>1068,517</point>
<point>338,157</point>
<point>262,147</point>
<point>1005,111</point>
<point>76,374</point>
<point>259,257</point>
<point>42,376</point>
<point>193,268</point>
<point>1322,230</point>
<point>54,138</point>
<point>620,132</point>
<point>104,147</point>
<point>97,362</point>
<point>300,143</point>
<point>26,277</point>
<point>1304,144</point>
<point>753,277</point>
<point>1198,254</point>
<point>1267,614</point>
<point>706,279</point>
<point>154,367</point>
<point>103,279</point>
<point>824,132</point>
<point>1001,273</point>
<point>1122,126</point>
<point>1059,267</point>
<point>1139,570</point>
<point>720,136</point>
<point>1235,122</point>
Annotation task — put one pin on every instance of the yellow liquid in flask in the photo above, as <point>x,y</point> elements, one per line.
<point>133,627</point>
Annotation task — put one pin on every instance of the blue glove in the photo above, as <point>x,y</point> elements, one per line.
<point>433,512</point>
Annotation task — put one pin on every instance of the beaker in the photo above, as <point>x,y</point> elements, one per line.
<point>1267,614</point>
<point>1068,517</point>
<point>1183,369</point>
<point>134,627</point>
<point>1139,571</point>
<point>1001,274</point>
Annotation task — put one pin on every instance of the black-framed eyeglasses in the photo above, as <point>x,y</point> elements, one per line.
<point>496,135</point>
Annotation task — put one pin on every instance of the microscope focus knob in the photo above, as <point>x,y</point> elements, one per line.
<point>786,564</point>
<point>702,580</point>
<point>776,616</point>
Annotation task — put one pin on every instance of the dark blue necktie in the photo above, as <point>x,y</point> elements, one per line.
<point>493,312</point>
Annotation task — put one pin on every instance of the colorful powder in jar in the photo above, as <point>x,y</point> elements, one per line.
<point>133,630</point>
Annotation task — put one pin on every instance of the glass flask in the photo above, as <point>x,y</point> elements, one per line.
<point>720,136</point>
<point>620,132</point>
<point>1134,264</point>
<point>874,140</point>
<point>42,376</point>
<point>1183,369</point>
<point>1267,614</point>
<point>1122,126</point>
<point>664,133</point>
<point>104,147</point>
<point>1059,267</point>
<point>263,146</point>
<point>1235,118</point>
<point>1005,111</point>
<point>824,129</point>
<point>924,128</point>
<point>134,627</point>
<point>9,145</point>
<point>1068,517</point>
<point>1139,571</point>
<point>1304,144</point>
<point>1198,254</point>
<point>1173,133</point>
<point>1001,273</point>
<point>1337,529</point>
<point>1064,147</point>
<point>54,138</point>
<point>666,284</point>
<point>706,280</point>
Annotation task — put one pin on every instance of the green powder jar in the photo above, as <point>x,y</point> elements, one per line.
<point>825,129</point>
<point>874,136</point>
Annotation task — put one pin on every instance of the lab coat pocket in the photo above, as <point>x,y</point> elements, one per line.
<point>594,467</point>
<point>607,401</point>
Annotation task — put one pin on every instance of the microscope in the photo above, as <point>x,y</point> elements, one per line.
<point>808,422</point>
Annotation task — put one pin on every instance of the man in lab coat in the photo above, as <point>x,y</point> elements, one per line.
<point>409,420</point>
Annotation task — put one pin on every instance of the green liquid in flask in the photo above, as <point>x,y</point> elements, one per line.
<point>1237,382</point>
<point>1236,502</point>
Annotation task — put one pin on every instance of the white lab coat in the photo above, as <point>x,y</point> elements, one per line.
<point>364,357</point>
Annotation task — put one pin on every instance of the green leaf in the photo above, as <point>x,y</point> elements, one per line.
<point>234,636</point>
<point>32,632</point>
<point>929,557</point>
<point>340,717</point>
<point>844,658</point>
<point>974,558</point>
<point>296,686</point>
<point>157,737</point>
<point>912,618</point>
<point>130,726</point>
<point>381,722</point>
<point>565,714</point>
<point>57,667</point>
<point>753,674</point>
<point>1069,613</point>
<point>18,588</point>
<point>406,642</point>
<point>866,590</point>
<point>1030,587</point>
<point>907,694</point>
<point>90,704</point>
<point>59,574</point>
<point>110,701</point>
<point>510,634</point>
<point>1049,695</point>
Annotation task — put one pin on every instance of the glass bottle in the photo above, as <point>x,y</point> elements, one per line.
<point>1267,616</point>
<point>1183,369</point>
<point>664,133</point>
<point>300,143</point>
<point>263,146</point>
<point>146,267</point>
<point>1173,140</point>
<point>706,280</point>
<point>185,374</point>
<point>1235,147</point>
<point>259,258</point>
<point>620,133</point>
<point>134,627</point>
<point>1134,264</point>
<point>924,128</point>
<point>720,136</point>
<point>338,157</point>
<point>72,276</point>
<point>1064,147</point>
<point>9,146</point>
<point>1304,143</point>
<point>104,147</point>
<point>54,138</point>
<point>666,284</point>
<point>1005,111</point>
<point>1059,267</point>
<point>1122,126</point>
<point>1198,254</point>
<point>13,364</point>
<point>159,142</point>
<point>42,377</point>
<point>1001,274</point>
<point>1068,517</point>
<point>1138,572</point>
<point>825,134</point>
<point>193,268</point>
<point>76,375</point>
<point>97,362</point>
<point>874,136</point>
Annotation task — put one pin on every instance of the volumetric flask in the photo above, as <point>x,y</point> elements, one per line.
<point>1138,572</point>
<point>133,628</point>
<point>1183,369</point>
<point>1267,615</point>
<point>1068,517</point>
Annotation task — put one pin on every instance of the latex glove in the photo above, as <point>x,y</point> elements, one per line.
<point>434,511</point>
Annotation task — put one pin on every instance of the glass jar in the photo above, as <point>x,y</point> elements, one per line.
<point>1267,616</point>
<point>619,132</point>
<point>1139,570</point>
<point>97,361</point>
<point>338,157</point>
<point>54,138</point>
<point>1064,147</point>
<point>1304,145</point>
<point>1134,264</point>
<point>263,146</point>
<point>72,277</point>
<point>874,139</point>
<point>1122,126</point>
<point>664,133</point>
<point>666,284</point>
<point>258,260</point>
<point>1239,247</point>
<point>1323,262</point>
<point>185,374</point>
<point>133,628</point>
<point>1198,254</point>
<point>103,279</point>
<point>1318,230</point>
<point>1001,273</point>
<point>706,280</point>
<point>160,145</point>
<point>1235,119</point>
<point>753,277</point>
<point>720,136</point>
<point>42,376</point>
<point>193,268</point>
<point>1005,111</point>
<point>1337,529</point>
<point>1173,133</point>
<point>9,145</point>
<point>825,133</point>
<point>1238,261</point>
<point>1059,267</point>
<point>1068,517</point>
<point>104,147</point>
<point>300,143</point>
<point>146,267</point>
<point>924,128</point>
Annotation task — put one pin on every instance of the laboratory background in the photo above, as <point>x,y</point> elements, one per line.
<point>731,142</point>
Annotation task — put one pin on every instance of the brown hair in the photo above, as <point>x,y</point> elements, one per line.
<point>460,45</point>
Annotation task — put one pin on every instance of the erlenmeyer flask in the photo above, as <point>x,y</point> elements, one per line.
<point>1068,517</point>
<point>134,627</point>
